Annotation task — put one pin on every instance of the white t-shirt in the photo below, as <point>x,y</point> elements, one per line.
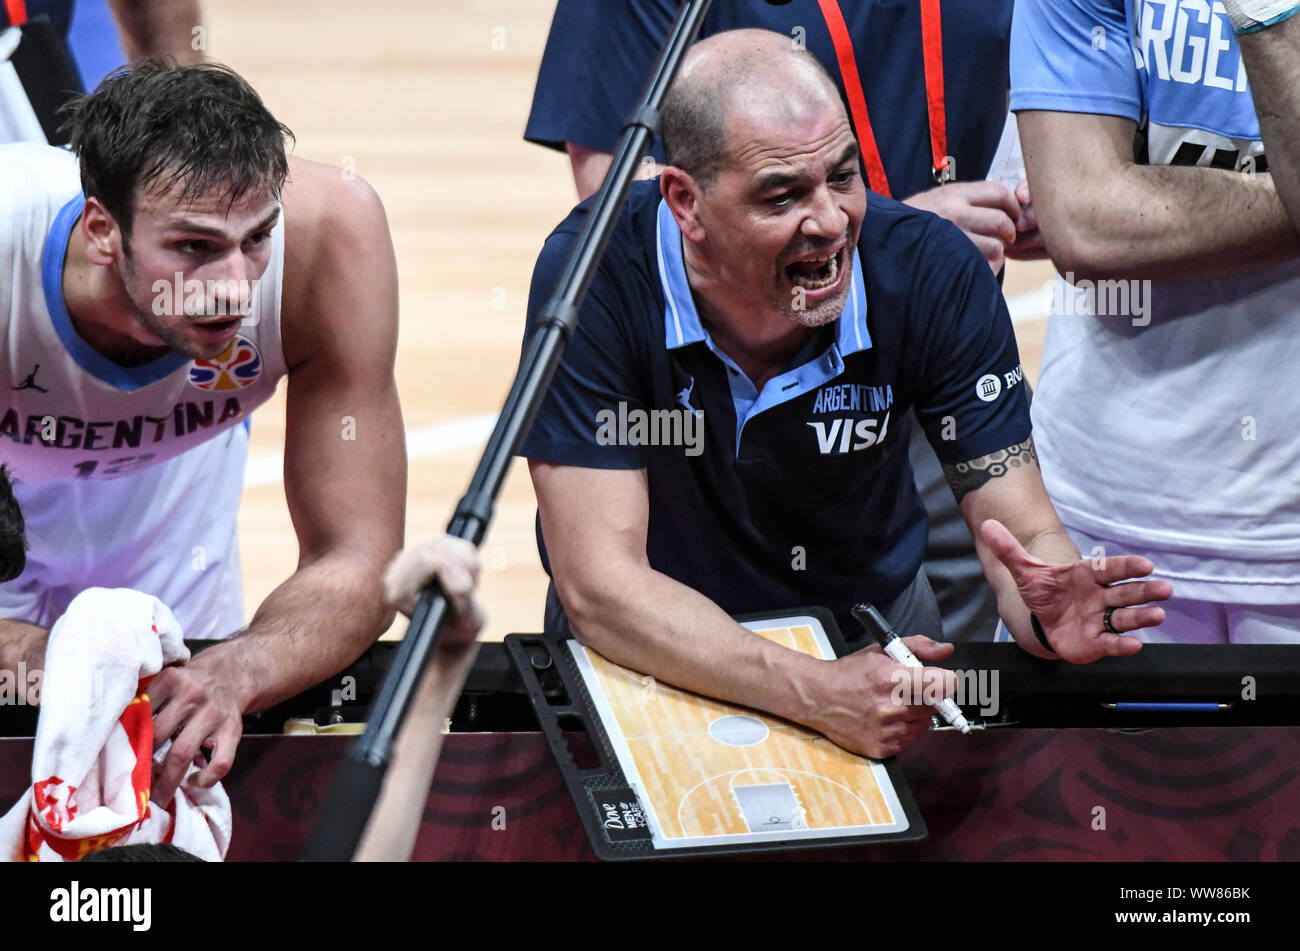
<point>1179,439</point>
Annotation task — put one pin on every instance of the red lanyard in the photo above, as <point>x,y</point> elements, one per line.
<point>943,166</point>
<point>16,10</point>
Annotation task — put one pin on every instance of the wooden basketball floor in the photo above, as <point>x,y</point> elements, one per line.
<point>427,101</point>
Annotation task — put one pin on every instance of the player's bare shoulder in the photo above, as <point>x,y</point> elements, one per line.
<point>337,253</point>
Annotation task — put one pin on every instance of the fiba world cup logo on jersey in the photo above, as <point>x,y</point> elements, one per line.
<point>234,368</point>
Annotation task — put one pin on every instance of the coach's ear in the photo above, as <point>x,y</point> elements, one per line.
<point>682,193</point>
<point>101,233</point>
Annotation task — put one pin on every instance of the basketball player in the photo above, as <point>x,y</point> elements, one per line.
<point>1161,423</point>
<point>163,280</point>
<point>755,296</point>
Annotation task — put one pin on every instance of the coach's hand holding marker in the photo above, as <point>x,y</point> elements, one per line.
<point>893,645</point>
<point>1084,608</point>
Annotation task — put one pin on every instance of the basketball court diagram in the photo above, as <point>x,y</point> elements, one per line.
<point>711,773</point>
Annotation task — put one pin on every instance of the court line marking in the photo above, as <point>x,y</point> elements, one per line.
<point>467,432</point>
<point>780,726</point>
<point>800,813</point>
<point>870,823</point>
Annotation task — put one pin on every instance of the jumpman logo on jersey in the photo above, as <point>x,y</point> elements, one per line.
<point>684,397</point>
<point>30,382</point>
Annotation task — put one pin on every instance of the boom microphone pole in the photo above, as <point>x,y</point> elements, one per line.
<point>357,784</point>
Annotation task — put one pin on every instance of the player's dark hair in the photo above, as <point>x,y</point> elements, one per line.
<point>178,130</point>
<point>13,533</point>
<point>143,852</point>
<point>693,115</point>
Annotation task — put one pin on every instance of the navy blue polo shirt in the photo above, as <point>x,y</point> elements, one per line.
<point>600,53</point>
<point>801,493</point>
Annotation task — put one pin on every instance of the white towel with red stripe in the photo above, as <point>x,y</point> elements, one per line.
<point>92,765</point>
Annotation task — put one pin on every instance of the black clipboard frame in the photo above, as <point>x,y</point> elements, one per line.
<point>561,702</point>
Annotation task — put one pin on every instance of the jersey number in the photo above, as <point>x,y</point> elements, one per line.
<point>115,468</point>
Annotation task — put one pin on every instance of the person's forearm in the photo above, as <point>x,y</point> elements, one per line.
<point>1174,223</point>
<point>21,642</point>
<point>590,168</point>
<point>1272,58</point>
<point>312,626</point>
<point>648,622</point>
<point>394,825</point>
<point>159,26</point>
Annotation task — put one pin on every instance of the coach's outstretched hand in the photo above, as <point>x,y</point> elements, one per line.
<point>1071,600</point>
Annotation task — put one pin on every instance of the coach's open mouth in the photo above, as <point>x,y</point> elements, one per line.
<point>818,272</point>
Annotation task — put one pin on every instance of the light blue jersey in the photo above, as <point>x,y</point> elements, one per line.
<point>1172,66</point>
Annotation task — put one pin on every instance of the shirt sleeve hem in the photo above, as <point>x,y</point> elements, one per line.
<point>583,457</point>
<point>1096,104</point>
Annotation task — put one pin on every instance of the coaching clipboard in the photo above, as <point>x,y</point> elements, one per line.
<point>656,772</point>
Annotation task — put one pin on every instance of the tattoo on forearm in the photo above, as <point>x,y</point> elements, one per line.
<point>966,477</point>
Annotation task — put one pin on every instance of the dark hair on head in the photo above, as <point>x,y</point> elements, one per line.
<point>183,130</point>
<point>142,852</point>
<point>13,532</point>
<point>693,115</point>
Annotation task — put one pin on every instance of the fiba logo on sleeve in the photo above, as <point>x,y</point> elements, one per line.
<point>236,367</point>
<point>989,387</point>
